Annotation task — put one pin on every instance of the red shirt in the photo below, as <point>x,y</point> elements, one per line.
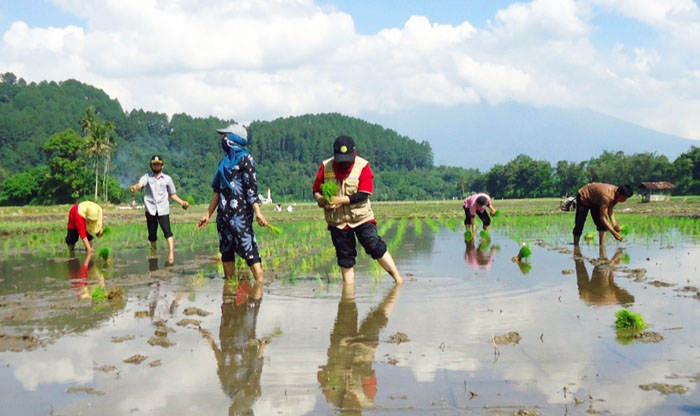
<point>76,222</point>
<point>365,184</point>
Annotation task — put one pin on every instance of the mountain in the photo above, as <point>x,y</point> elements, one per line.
<point>480,136</point>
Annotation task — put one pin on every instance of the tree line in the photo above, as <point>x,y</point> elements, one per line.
<point>68,141</point>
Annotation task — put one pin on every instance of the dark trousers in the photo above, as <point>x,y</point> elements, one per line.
<point>73,236</point>
<point>582,213</point>
<point>152,222</point>
<point>345,245</point>
<point>485,219</point>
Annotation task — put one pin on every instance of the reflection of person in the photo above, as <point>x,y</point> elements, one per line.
<point>78,275</point>
<point>349,214</point>
<point>158,187</point>
<point>239,355</point>
<point>85,220</point>
<point>348,380</point>
<point>160,307</point>
<point>477,257</point>
<point>236,198</point>
<point>476,205</point>
<point>601,288</point>
<point>600,199</point>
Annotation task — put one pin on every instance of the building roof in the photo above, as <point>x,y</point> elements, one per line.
<point>657,186</point>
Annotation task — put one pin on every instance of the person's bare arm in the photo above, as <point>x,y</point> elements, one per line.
<point>603,217</point>
<point>492,209</point>
<point>135,187</point>
<point>259,217</point>
<point>212,206</point>
<point>183,204</point>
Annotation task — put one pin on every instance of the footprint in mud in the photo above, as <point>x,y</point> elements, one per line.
<point>161,342</point>
<point>665,388</point>
<point>649,336</point>
<point>141,314</point>
<point>155,363</point>
<point>88,390</point>
<point>123,338</point>
<point>105,368</point>
<point>136,359</point>
<point>188,321</point>
<point>195,311</point>
<point>509,338</point>
<point>398,338</point>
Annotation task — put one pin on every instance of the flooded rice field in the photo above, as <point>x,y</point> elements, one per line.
<point>470,332</point>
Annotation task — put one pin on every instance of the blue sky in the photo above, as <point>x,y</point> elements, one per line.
<point>632,59</point>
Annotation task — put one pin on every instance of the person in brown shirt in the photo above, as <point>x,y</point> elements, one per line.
<point>600,199</point>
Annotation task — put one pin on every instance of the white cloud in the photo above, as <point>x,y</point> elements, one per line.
<point>265,59</point>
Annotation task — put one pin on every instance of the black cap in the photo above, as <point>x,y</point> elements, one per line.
<point>156,159</point>
<point>344,149</point>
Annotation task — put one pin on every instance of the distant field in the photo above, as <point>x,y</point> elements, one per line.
<point>44,218</point>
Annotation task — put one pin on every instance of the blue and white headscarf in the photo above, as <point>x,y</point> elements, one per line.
<point>233,146</point>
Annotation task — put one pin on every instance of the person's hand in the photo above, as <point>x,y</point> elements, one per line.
<point>337,201</point>
<point>260,218</point>
<point>100,233</point>
<point>617,228</point>
<point>90,250</point>
<point>203,222</point>
<point>185,205</point>
<point>617,235</point>
<point>132,188</point>
<point>321,202</point>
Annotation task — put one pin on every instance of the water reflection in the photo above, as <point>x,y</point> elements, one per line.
<point>79,273</point>
<point>600,289</point>
<point>348,380</point>
<point>239,354</point>
<point>478,258</point>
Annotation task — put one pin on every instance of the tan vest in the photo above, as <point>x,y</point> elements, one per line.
<point>352,215</point>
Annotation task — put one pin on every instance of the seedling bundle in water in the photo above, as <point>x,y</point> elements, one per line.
<point>485,235</point>
<point>624,230</point>
<point>629,320</point>
<point>98,293</point>
<point>107,231</point>
<point>104,253</point>
<point>497,213</point>
<point>589,236</point>
<point>468,236</point>
<point>329,190</point>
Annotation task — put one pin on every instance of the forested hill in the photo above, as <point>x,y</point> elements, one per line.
<point>288,150</point>
<point>53,137</point>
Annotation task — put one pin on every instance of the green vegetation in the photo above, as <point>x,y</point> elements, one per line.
<point>104,253</point>
<point>524,253</point>
<point>468,235</point>
<point>273,229</point>
<point>98,293</point>
<point>625,319</point>
<point>625,230</point>
<point>83,138</point>
<point>329,190</point>
<point>485,235</point>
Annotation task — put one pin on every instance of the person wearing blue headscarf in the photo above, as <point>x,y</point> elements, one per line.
<point>235,196</point>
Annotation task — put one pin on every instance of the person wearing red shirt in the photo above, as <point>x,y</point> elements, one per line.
<point>349,213</point>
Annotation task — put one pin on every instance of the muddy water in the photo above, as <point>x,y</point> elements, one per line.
<point>195,345</point>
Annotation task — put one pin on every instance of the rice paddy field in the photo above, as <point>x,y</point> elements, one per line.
<point>515,321</point>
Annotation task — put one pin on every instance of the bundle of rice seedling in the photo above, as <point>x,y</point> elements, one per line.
<point>190,200</point>
<point>497,213</point>
<point>524,253</point>
<point>275,230</point>
<point>106,231</point>
<point>98,293</point>
<point>624,230</point>
<point>589,236</point>
<point>329,190</point>
<point>628,320</point>
<point>468,236</point>
<point>104,253</point>
<point>485,235</point>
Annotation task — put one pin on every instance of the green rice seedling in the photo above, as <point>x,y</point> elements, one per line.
<point>497,213</point>
<point>385,227</point>
<point>104,253</point>
<point>625,319</point>
<point>98,293</point>
<point>485,235</point>
<point>432,224</point>
<point>190,200</point>
<point>449,223</point>
<point>232,282</point>
<point>625,230</point>
<point>625,259</point>
<point>589,237</point>
<point>417,226</point>
<point>329,190</point>
<point>468,235</point>
<point>274,230</point>
<point>524,267</point>
<point>107,231</point>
